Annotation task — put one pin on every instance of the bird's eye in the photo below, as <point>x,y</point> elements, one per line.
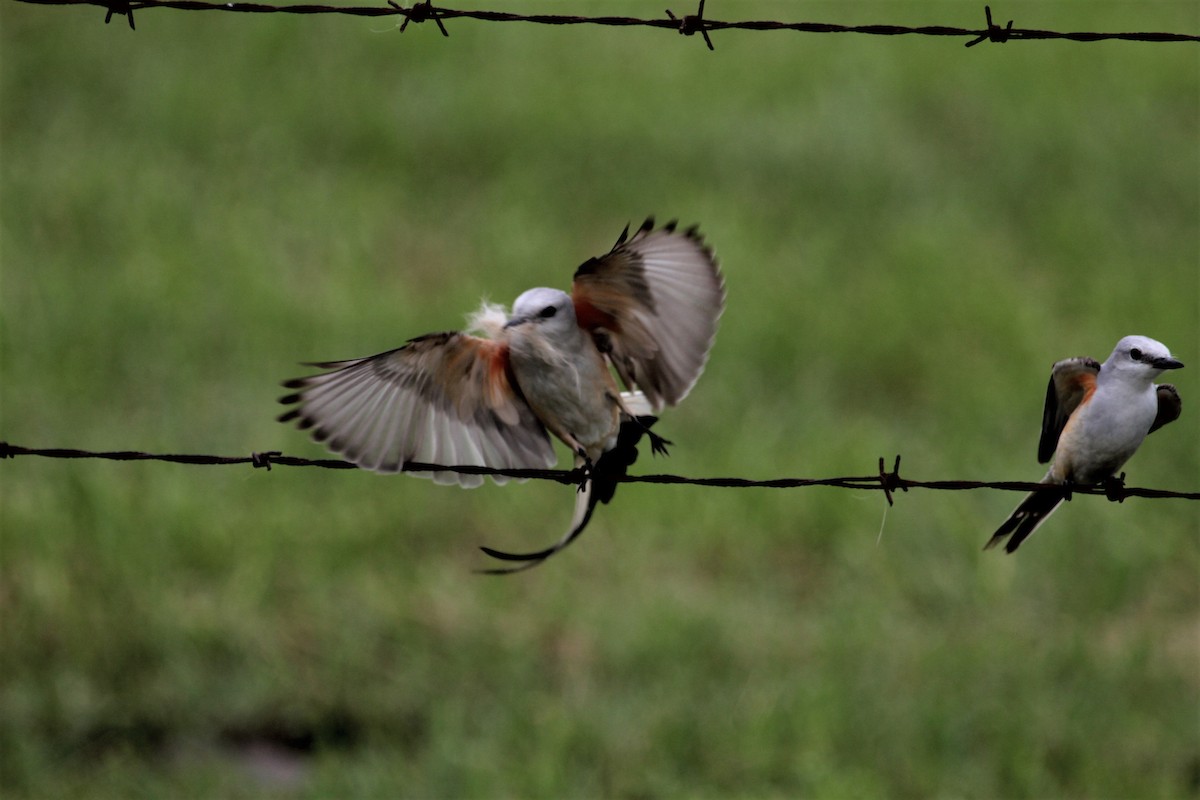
<point>1135,354</point>
<point>548,312</point>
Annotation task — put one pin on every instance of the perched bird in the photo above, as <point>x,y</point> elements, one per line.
<point>1096,416</point>
<point>647,309</point>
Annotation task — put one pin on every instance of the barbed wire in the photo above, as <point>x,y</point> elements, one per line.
<point>885,480</point>
<point>685,24</point>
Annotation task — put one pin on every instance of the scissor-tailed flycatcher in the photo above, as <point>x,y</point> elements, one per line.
<point>1096,416</point>
<point>647,309</point>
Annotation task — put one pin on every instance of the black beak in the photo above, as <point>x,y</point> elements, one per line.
<point>1167,363</point>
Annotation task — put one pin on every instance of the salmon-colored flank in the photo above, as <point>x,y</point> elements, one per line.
<point>498,387</point>
<point>1064,465</point>
<point>1087,381</point>
<point>590,317</point>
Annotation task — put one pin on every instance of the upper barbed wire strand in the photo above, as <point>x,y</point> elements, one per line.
<point>687,24</point>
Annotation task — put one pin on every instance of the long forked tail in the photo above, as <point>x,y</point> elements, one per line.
<point>600,487</point>
<point>1026,518</point>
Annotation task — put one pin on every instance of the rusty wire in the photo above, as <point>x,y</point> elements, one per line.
<point>685,24</point>
<point>885,480</point>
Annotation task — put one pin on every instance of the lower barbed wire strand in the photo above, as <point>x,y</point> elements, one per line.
<point>888,482</point>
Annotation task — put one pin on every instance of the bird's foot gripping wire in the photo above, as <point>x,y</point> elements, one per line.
<point>584,470</point>
<point>1114,488</point>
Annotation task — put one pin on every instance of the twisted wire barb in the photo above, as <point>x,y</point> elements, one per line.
<point>887,481</point>
<point>687,24</point>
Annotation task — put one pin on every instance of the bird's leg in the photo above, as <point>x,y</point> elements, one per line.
<point>586,469</point>
<point>583,462</point>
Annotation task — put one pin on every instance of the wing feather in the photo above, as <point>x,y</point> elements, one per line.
<point>1170,406</point>
<point>446,398</point>
<point>652,305</point>
<point>1071,381</point>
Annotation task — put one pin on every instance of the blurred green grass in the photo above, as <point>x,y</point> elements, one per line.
<point>911,234</point>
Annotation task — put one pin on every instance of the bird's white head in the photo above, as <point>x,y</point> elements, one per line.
<point>549,311</point>
<point>1140,357</point>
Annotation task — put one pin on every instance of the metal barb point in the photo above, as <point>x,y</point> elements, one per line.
<point>420,12</point>
<point>263,459</point>
<point>994,33</point>
<point>691,24</point>
<point>120,7</point>
<point>890,481</point>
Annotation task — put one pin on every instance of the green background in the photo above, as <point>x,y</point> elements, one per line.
<point>911,233</point>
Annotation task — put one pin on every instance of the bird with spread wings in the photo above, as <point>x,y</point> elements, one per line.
<point>646,310</point>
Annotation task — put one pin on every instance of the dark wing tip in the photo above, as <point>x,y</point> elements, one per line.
<point>621,239</point>
<point>304,422</point>
<point>691,232</point>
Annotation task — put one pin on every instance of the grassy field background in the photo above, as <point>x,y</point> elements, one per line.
<point>911,233</point>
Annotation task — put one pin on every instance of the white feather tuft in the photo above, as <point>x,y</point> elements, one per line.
<point>635,403</point>
<point>488,320</point>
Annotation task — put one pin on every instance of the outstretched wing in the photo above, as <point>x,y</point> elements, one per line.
<point>1071,381</point>
<point>445,398</point>
<point>1169,406</point>
<point>652,305</point>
